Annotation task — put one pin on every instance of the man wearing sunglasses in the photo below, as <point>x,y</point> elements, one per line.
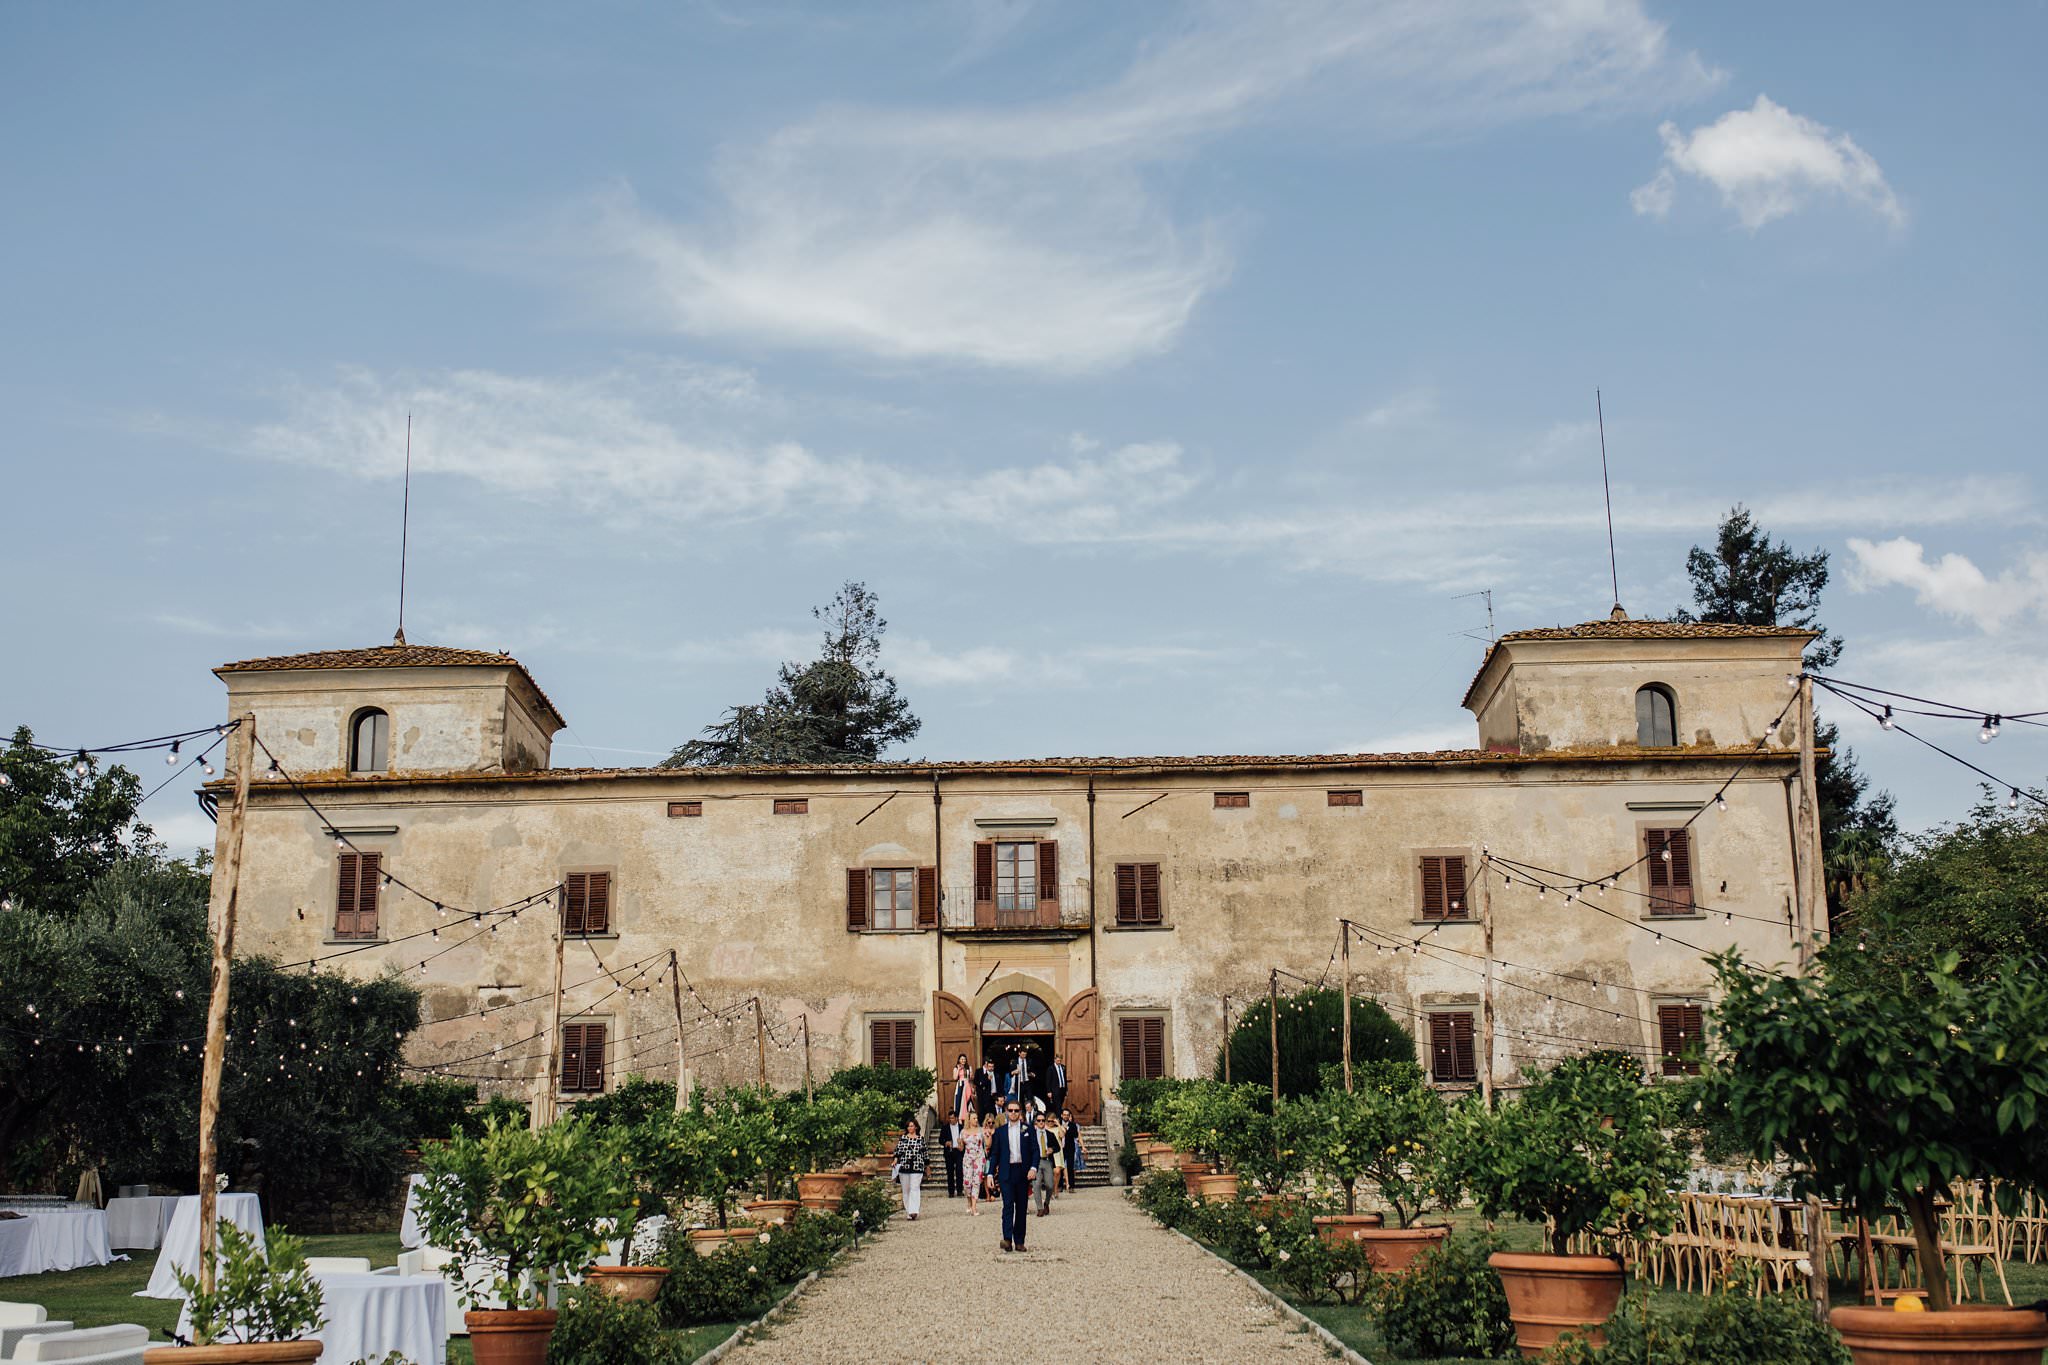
<point>1014,1158</point>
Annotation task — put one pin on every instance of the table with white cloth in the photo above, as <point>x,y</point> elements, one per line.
<point>55,1239</point>
<point>409,1233</point>
<point>371,1315</point>
<point>181,1240</point>
<point>140,1222</point>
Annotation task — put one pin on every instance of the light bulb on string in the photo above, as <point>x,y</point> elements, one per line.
<point>81,765</point>
<point>1720,802</point>
<point>1885,721</point>
<point>206,766</point>
<point>171,758</point>
<point>2013,802</point>
<point>5,780</point>
<point>1791,680</point>
<point>1984,736</point>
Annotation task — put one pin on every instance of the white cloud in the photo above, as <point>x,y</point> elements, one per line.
<point>1953,585</point>
<point>919,662</point>
<point>1768,162</point>
<point>1423,741</point>
<point>1035,236</point>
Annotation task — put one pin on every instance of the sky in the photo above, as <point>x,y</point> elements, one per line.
<point>1177,374</point>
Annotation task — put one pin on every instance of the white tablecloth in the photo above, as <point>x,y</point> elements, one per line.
<point>140,1222</point>
<point>63,1239</point>
<point>181,1239</point>
<point>369,1315</point>
<point>409,1234</point>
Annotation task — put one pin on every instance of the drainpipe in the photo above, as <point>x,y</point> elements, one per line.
<point>1091,892</point>
<point>939,870</point>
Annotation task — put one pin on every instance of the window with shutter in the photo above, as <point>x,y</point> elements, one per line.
<point>1233,800</point>
<point>1443,887</point>
<point>582,1059</point>
<point>1452,1057</point>
<point>1681,1033</point>
<point>1016,868</point>
<point>679,809</point>
<point>355,898</point>
<point>1347,798</point>
<point>1141,1045</point>
<point>985,883</point>
<point>893,1042</point>
<point>1137,893</point>
<point>586,903</point>
<point>1668,855</point>
<point>927,898</point>
<point>892,897</point>
<point>1048,882</point>
<point>856,898</point>
<point>792,805</point>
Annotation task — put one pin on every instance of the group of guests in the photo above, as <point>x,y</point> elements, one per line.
<point>985,1090</point>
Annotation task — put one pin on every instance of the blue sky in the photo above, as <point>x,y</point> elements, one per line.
<point>1170,370</point>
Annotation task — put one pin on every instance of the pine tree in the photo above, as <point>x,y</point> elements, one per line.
<point>841,707</point>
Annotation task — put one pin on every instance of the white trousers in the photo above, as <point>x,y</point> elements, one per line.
<point>913,1191</point>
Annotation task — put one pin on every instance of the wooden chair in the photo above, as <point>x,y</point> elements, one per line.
<point>1758,1241</point>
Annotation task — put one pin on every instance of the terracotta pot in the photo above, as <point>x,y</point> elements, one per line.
<point>1190,1173</point>
<point>630,1283</point>
<point>1971,1335</point>
<point>775,1211</point>
<point>230,1354</point>
<point>711,1241</point>
<point>821,1189</point>
<point>1271,1205</point>
<point>1157,1156</point>
<point>1394,1250</point>
<point>509,1336</point>
<point>1221,1187</point>
<point>1341,1229</point>
<point>1548,1295</point>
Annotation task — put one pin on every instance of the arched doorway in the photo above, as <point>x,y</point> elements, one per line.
<point>1017,1025</point>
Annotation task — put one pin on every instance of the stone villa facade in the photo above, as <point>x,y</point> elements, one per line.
<point>1102,908</point>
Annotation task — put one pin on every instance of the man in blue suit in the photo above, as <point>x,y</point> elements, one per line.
<point>1014,1159</point>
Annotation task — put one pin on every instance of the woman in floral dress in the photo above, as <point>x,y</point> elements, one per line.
<point>974,1160</point>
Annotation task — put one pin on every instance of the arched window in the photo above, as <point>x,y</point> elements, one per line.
<point>1656,717</point>
<point>1016,1012</point>
<point>369,741</point>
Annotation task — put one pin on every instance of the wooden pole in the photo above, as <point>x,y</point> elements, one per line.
<point>761,1041</point>
<point>1226,1040</point>
<point>675,990</point>
<point>1344,927</point>
<point>220,924</point>
<point>1273,1025</point>
<point>1486,996</point>
<point>544,1102</point>
<point>804,1021</point>
<point>1811,906</point>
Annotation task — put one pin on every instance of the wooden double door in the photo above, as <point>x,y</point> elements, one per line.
<point>956,1030</point>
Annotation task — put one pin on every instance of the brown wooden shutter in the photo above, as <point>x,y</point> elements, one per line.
<point>985,883</point>
<point>1148,893</point>
<point>345,898</point>
<point>582,1057</point>
<point>572,1057</point>
<point>1048,882</point>
<point>1443,1055</point>
<point>1670,878</point>
<point>1455,904</point>
<point>856,898</point>
<point>1347,798</point>
<point>369,876</point>
<point>879,1039</point>
<point>792,805</point>
<point>1464,1063</point>
<point>597,904</point>
<point>893,1042</point>
<point>1233,800</point>
<point>1126,893</point>
<point>927,898</point>
<point>1153,1031</point>
<point>575,896</point>
<point>678,809</point>
<point>1130,1041</point>
<point>1432,888</point>
<point>1680,1029</point>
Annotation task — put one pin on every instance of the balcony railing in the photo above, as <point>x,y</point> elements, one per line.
<point>960,912</point>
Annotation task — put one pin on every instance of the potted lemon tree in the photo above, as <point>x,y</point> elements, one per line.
<point>521,1209</point>
<point>264,1306</point>
<point>1583,1149</point>
<point>1886,1089</point>
<point>1388,1133</point>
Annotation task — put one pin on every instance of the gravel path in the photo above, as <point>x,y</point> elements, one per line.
<point>1100,1282</point>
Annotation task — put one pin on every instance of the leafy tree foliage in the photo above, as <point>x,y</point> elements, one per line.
<point>841,707</point>
<point>60,830</point>
<point>1978,888</point>
<point>1747,579</point>
<point>1310,1038</point>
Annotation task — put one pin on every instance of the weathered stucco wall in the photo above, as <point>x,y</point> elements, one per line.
<point>443,719</point>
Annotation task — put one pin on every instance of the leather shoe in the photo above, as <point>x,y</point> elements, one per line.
<point>1008,1247</point>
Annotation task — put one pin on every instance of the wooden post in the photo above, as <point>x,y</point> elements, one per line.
<point>761,1041</point>
<point>1344,928</point>
<point>675,990</point>
<point>1809,881</point>
<point>220,924</point>
<point>544,1102</point>
<point>1486,996</point>
<point>1273,1025</point>
<point>804,1022</point>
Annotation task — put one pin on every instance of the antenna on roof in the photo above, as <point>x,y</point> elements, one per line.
<point>404,531</point>
<point>1487,595</point>
<point>1607,492</point>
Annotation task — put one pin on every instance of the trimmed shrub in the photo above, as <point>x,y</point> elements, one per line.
<point>867,1205</point>
<point>1728,1327</point>
<point>1164,1195</point>
<point>598,1329</point>
<point>1450,1303</point>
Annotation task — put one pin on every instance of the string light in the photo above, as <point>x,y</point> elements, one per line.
<point>171,758</point>
<point>2013,802</point>
<point>1885,721</point>
<point>81,766</point>
<point>1984,736</point>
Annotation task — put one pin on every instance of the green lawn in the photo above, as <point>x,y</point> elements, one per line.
<point>105,1294</point>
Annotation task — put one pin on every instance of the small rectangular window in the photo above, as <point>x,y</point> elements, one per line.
<point>892,1042</point>
<point>587,903</point>
<point>1137,893</point>
<point>1141,1043</point>
<point>355,902</point>
<point>1233,800</point>
<point>1353,797</point>
<point>1443,888</point>
<point>582,1059</point>
<point>680,809</point>
<point>892,895</point>
<point>792,805</point>
<point>1668,854</point>
<point>1681,1033</point>
<point>1452,1057</point>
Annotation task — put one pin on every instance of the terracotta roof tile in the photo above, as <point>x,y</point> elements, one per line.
<point>393,656</point>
